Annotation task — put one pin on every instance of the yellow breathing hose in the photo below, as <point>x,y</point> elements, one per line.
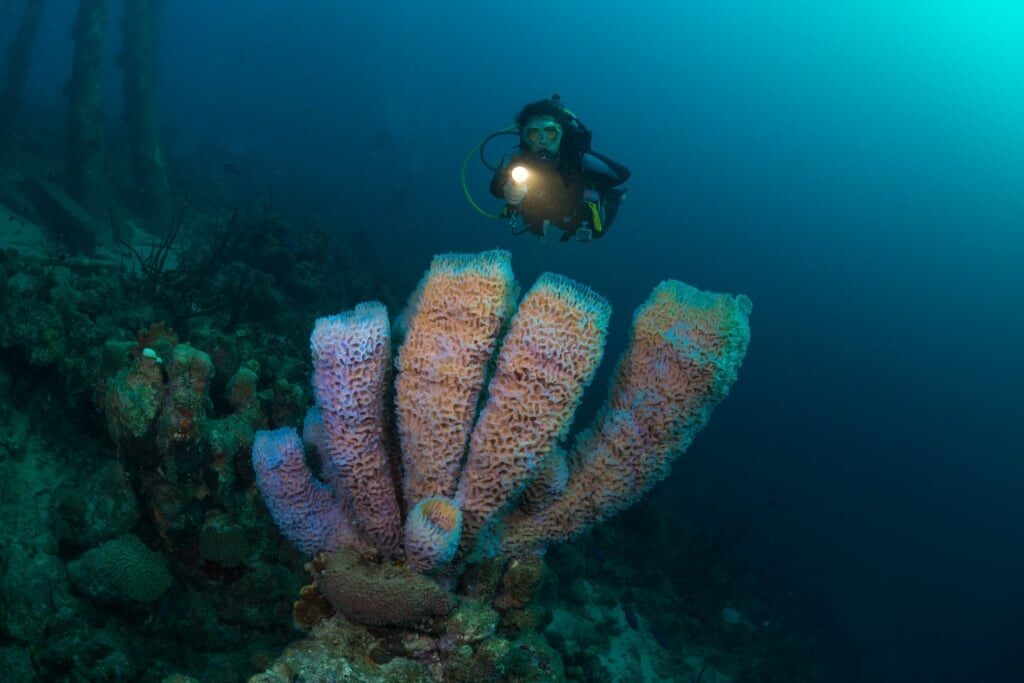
<point>465,163</point>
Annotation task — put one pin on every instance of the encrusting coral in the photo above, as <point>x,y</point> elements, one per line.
<point>482,471</point>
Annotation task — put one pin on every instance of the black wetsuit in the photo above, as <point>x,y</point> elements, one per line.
<point>556,191</point>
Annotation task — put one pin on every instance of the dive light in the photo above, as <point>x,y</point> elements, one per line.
<point>519,175</point>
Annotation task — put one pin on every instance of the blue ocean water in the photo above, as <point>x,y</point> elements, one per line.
<point>856,169</point>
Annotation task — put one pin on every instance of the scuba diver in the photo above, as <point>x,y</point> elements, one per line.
<point>553,182</point>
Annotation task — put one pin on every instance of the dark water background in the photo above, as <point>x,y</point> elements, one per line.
<point>857,169</point>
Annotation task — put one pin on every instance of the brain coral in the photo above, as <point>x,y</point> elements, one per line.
<point>119,570</point>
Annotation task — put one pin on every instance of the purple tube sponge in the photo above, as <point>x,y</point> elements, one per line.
<point>494,478</point>
<point>305,509</point>
<point>351,362</point>
<point>432,532</point>
<point>313,437</point>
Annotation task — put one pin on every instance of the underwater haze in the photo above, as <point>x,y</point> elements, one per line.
<point>856,169</point>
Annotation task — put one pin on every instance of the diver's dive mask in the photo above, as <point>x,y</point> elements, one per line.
<point>543,135</point>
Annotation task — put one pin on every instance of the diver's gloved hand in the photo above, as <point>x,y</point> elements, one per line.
<point>514,192</point>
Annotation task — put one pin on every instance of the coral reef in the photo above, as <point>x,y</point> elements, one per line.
<point>485,394</point>
<point>124,447</point>
<point>696,611</point>
<point>124,443</point>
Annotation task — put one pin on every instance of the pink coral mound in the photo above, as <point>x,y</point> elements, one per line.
<point>370,593</point>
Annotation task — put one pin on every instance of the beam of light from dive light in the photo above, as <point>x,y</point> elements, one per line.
<point>520,174</point>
